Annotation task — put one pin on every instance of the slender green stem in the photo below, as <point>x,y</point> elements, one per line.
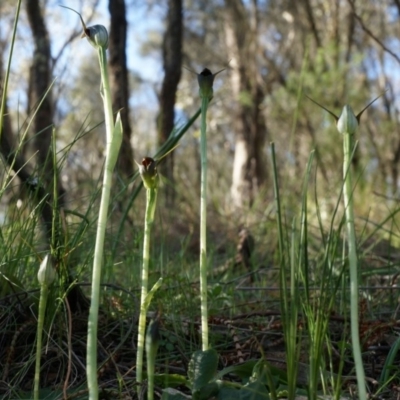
<point>46,276</point>
<point>347,124</point>
<point>114,137</point>
<point>152,343</point>
<point>388,366</point>
<point>288,310</point>
<point>348,145</point>
<point>290,313</point>
<point>54,230</point>
<point>148,223</point>
<point>150,374</point>
<point>203,225</point>
<point>44,292</point>
<point>106,95</point>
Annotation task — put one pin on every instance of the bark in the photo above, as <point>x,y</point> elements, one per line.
<point>40,81</point>
<point>172,63</point>
<point>397,4</point>
<point>311,21</point>
<point>120,81</point>
<point>249,169</point>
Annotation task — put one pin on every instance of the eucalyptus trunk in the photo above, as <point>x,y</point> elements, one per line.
<point>172,62</point>
<point>40,81</point>
<point>119,81</point>
<point>249,166</point>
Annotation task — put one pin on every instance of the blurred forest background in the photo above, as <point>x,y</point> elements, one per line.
<point>274,52</point>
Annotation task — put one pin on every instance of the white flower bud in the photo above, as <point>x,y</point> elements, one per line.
<point>347,122</point>
<point>47,273</point>
<point>97,35</point>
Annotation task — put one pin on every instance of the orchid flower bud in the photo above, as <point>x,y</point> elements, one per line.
<point>347,122</point>
<point>97,35</point>
<point>47,273</point>
<point>206,81</point>
<point>153,334</point>
<point>148,172</point>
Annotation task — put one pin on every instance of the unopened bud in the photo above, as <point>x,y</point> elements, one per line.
<point>153,337</point>
<point>206,81</point>
<point>148,172</point>
<point>347,122</point>
<point>97,35</point>
<point>47,273</point>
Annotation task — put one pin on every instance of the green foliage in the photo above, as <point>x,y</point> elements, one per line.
<point>260,380</point>
<point>202,369</point>
<point>219,297</point>
<point>201,374</point>
<point>51,394</point>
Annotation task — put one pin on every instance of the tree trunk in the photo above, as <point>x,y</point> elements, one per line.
<point>249,169</point>
<point>172,62</point>
<point>39,83</point>
<point>119,80</point>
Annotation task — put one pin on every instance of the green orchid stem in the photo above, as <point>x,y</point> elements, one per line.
<point>106,95</point>
<point>151,362</point>
<point>348,147</point>
<point>203,225</point>
<point>114,138</point>
<point>152,343</point>
<point>347,124</point>
<point>44,292</point>
<point>148,223</point>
